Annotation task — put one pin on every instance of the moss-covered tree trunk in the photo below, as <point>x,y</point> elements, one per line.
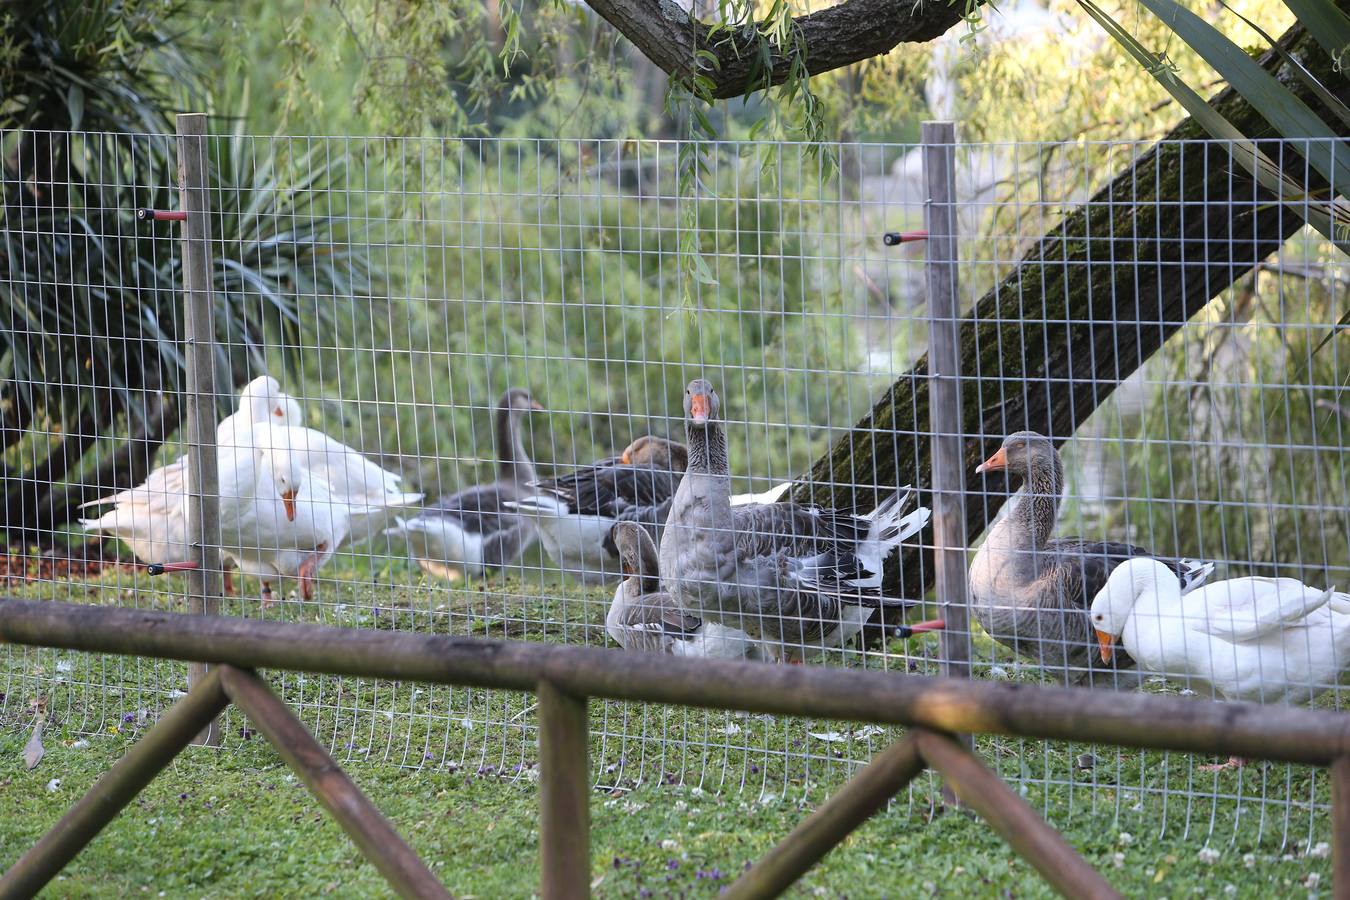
<point>1081,311</point>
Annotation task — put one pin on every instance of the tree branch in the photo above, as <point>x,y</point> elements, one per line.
<point>850,32</point>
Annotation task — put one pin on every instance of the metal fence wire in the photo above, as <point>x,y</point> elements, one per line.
<point>455,327</point>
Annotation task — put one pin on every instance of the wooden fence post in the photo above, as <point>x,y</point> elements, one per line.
<point>203,507</point>
<point>945,414</point>
<point>564,795</point>
<point>1340,827</point>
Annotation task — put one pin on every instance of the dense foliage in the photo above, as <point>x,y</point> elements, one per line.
<point>91,358</point>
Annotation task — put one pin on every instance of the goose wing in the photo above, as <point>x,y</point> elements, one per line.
<point>1245,609</point>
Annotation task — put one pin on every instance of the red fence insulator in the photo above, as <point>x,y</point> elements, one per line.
<point>161,215</point>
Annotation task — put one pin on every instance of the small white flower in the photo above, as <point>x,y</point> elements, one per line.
<point>1208,855</point>
<point>1311,881</point>
<point>731,728</point>
<point>669,845</point>
<point>1249,860</point>
<point>81,744</point>
<point>1320,850</point>
<point>1288,857</point>
<point>54,785</point>
<point>999,673</point>
<point>1230,889</point>
<point>1118,860</point>
<point>1125,839</point>
<point>767,799</point>
<point>929,887</point>
<point>680,804</point>
<point>696,791</point>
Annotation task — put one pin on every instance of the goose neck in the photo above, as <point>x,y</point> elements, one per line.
<point>514,463</point>
<point>707,449</point>
<point>1038,503</point>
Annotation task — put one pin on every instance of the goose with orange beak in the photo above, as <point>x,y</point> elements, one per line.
<point>797,579</point>
<point>1263,640</point>
<point>278,520</point>
<point>1030,590</point>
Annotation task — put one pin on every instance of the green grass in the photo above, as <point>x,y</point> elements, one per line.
<point>686,791</point>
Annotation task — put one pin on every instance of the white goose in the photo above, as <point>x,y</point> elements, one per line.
<point>1268,640</point>
<point>151,517</point>
<point>372,494</point>
<point>278,518</point>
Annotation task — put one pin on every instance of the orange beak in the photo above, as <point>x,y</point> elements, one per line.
<point>288,501</point>
<point>700,407</point>
<point>535,404</point>
<point>1108,645</point>
<point>626,459</point>
<point>998,461</point>
<point>278,412</point>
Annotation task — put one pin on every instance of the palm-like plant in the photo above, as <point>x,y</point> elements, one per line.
<point>90,358</point>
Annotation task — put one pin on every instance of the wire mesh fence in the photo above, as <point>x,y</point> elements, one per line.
<point>420,343</point>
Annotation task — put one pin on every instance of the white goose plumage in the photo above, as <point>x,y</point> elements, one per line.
<point>277,519</point>
<point>151,518</point>
<point>1268,640</point>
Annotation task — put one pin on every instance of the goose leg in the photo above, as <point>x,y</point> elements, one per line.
<point>1234,762</point>
<point>307,570</point>
<point>267,599</point>
<point>228,577</point>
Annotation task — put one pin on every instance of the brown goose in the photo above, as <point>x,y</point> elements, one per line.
<point>792,577</point>
<point>643,617</point>
<point>1030,591</point>
<point>473,531</point>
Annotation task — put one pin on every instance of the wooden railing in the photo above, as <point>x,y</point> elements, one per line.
<point>564,677</point>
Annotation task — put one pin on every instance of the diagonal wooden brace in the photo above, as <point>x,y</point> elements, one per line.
<point>118,787</point>
<point>371,832</point>
<point>1009,815</point>
<point>863,797</point>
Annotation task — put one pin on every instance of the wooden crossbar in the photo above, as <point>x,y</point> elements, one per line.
<point>565,677</point>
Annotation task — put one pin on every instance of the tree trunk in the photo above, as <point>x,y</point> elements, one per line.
<point>1081,312</point>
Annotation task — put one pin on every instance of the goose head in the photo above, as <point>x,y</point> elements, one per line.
<point>517,402</point>
<point>261,399</point>
<point>702,406</point>
<point>1113,605</point>
<point>637,555</point>
<point>658,453</point>
<point>288,477</point>
<point>286,411</point>
<point>1025,454</point>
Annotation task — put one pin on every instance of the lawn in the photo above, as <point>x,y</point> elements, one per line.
<point>687,797</point>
